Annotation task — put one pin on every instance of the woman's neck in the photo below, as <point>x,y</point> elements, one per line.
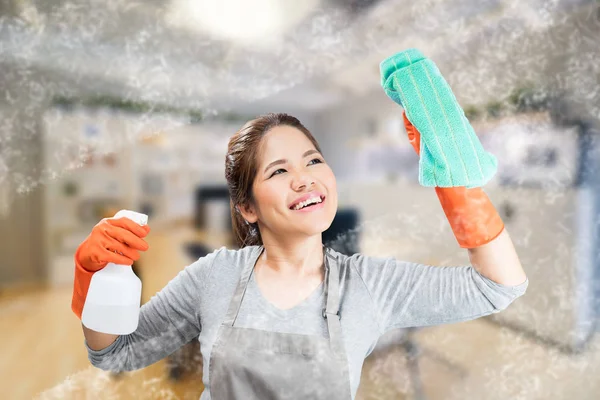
<point>301,259</point>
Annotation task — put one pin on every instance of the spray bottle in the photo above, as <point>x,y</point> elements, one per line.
<point>112,304</point>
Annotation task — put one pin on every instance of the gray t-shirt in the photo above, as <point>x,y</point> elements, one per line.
<point>377,294</point>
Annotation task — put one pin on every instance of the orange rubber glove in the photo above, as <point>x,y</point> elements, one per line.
<point>471,214</point>
<point>112,240</point>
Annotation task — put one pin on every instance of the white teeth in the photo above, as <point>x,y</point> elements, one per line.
<point>307,202</point>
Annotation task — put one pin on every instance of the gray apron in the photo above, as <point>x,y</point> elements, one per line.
<point>252,364</point>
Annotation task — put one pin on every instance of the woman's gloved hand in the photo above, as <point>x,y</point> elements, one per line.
<point>471,214</point>
<point>451,154</point>
<point>112,240</point>
<point>414,137</point>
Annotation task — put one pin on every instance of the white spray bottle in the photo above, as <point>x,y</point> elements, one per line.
<point>112,304</point>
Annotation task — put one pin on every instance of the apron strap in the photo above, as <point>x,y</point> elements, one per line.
<point>331,312</point>
<point>236,300</point>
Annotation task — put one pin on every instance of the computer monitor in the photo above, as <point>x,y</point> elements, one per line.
<point>343,235</point>
<point>210,199</point>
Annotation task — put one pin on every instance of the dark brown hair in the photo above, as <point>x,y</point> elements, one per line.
<point>241,164</point>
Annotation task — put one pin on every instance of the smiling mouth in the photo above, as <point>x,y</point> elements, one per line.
<point>293,208</point>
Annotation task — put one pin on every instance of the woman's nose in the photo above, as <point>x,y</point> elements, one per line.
<point>302,181</point>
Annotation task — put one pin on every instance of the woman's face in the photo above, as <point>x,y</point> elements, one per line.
<point>290,170</point>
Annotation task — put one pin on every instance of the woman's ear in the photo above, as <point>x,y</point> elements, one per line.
<point>248,212</point>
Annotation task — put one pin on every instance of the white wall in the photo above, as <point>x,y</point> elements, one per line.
<point>343,130</point>
<point>22,247</point>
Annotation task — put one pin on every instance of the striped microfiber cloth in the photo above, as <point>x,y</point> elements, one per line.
<point>451,153</point>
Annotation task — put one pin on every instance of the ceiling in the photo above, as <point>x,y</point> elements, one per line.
<point>328,54</point>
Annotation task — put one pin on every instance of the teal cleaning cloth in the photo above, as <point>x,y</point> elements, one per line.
<point>451,154</point>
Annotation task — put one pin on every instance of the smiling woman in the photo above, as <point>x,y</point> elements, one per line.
<point>283,316</point>
<point>273,164</point>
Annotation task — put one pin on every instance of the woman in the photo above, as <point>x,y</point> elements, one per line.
<point>284,317</point>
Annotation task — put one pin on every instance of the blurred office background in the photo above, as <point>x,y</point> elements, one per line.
<point>108,105</point>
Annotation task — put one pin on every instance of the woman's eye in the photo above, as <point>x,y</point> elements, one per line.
<point>318,161</point>
<point>276,172</point>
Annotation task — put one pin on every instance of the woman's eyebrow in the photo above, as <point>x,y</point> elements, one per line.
<point>283,161</point>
